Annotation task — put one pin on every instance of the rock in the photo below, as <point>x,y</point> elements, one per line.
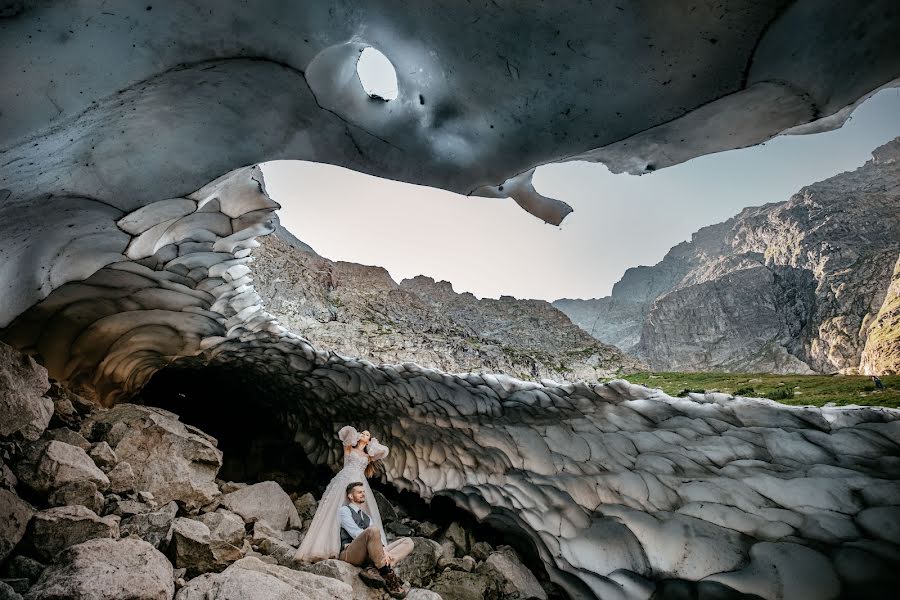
<point>279,550</point>
<point>385,508</point>
<point>153,527</point>
<point>147,497</point>
<point>69,436</point>
<point>459,537</point>
<point>481,550</point>
<point>466,563</point>
<point>48,465</point>
<point>103,455</point>
<point>426,529</point>
<point>346,573</point>
<point>231,486</point>
<point>8,593</point>
<point>514,578</point>
<point>55,529</point>
<point>106,569</point>
<point>8,479</point>
<point>126,508</point>
<point>399,529</point>
<point>457,585</point>
<point>83,493</point>
<point>266,501</point>
<point>419,566</point>
<point>225,526</point>
<point>292,537</point>
<point>253,579</point>
<point>18,585</point>
<point>16,515</point>
<point>420,594</point>
<point>169,459</point>
<point>24,567</point>
<point>121,478</point>
<point>262,530</point>
<point>306,506</point>
<point>24,410</point>
<point>193,549</point>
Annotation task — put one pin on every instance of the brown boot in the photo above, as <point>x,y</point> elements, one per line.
<point>396,587</point>
<point>372,578</point>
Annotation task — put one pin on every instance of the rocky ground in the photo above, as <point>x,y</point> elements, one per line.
<point>124,503</point>
<point>790,287</point>
<point>358,310</point>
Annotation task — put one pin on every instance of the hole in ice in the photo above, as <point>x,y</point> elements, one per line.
<point>377,75</point>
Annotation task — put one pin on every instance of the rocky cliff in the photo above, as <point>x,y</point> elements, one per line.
<point>359,311</point>
<point>796,286</point>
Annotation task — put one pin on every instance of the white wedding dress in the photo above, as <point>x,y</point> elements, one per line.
<point>323,538</point>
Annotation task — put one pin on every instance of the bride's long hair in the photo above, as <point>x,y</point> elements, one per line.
<point>372,467</point>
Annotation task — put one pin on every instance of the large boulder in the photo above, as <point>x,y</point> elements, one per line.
<point>153,527</point>
<point>343,571</point>
<point>515,579</point>
<point>16,513</point>
<point>252,579</point>
<point>418,567</point>
<point>55,529</point>
<point>459,585</point>
<point>263,501</point>
<point>69,436</point>
<point>224,525</point>
<point>121,478</point>
<point>48,465</point>
<point>193,548</point>
<point>24,409</point>
<point>171,460</point>
<point>106,569</point>
<point>81,493</point>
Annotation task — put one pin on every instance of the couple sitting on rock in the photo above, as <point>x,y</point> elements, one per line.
<point>347,524</point>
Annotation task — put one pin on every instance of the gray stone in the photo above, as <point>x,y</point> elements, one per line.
<point>48,465</point>
<point>24,567</point>
<point>265,501</point>
<point>58,528</point>
<point>103,455</point>
<point>481,550</point>
<point>420,594</point>
<point>69,436</point>
<point>346,573</point>
<point>514,578</point>
<point>153,527</point>
<point>8,593</point>
<point>17,513</point>
<point>24,410</point>
<point>418,567</point>
<point>458,585</point>
<point>226,526</point>
<point>169,459</point>
<point>253,579</point>
<point>459,537</point>
<point>306,506</point>
<point>83,493</point>
<point>193,549</point>
<point>106,569</point>
<point>385,508</point>
<point>121,478</point>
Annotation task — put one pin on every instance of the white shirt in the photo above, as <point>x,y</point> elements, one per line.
<point>347,522</point>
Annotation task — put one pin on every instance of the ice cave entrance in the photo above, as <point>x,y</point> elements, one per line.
<point>377,74</point>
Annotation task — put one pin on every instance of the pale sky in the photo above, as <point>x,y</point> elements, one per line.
<point>491,247</point>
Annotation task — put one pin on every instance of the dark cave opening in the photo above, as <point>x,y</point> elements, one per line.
<point>235,406</point>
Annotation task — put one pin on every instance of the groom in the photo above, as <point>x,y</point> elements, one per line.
<point>361,542</point>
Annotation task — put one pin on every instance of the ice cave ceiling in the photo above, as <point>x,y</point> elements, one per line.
<point>119,257</point>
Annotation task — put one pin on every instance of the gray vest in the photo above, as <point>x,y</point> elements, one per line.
<point>361,519</point>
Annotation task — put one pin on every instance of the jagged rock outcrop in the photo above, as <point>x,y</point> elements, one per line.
<point>106,569</point>
<point>882,351</point>
<point>359,311</point>
<point>797,286</point>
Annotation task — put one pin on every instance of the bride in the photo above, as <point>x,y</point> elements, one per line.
<point>323,538</point>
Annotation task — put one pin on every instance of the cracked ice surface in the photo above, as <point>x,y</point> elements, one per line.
<point>618,486</point>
